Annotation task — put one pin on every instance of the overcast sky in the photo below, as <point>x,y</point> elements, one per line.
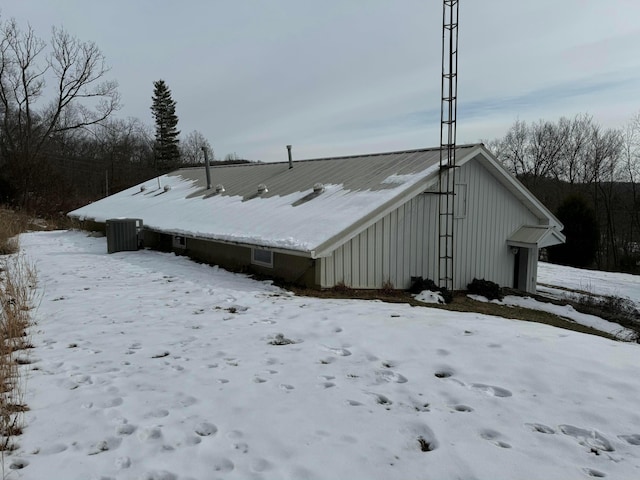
<point>340,77</point>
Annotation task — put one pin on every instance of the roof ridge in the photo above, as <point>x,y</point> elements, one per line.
<point>345,157</point>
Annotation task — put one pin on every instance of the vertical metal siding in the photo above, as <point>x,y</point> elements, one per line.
<point>492,215</point>
<point>404,243</point>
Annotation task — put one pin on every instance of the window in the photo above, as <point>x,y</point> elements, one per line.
<point>179,242</point>
<point>262,257</point>
<point>460,202</point>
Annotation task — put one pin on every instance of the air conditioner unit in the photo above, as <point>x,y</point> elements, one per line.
<point>124,234</point>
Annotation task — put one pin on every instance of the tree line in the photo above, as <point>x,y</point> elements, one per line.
<point>575,163</point>
<point>61,144</point>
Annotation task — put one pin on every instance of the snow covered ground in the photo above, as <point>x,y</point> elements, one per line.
<point>149,366</point>
<point>591,281</point>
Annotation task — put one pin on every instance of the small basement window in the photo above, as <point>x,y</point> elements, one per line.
<point>179,241</point>
<point>262,257</point>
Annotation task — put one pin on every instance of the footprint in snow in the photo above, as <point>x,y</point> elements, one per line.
<point>52,449</point>
<point>110,402</point>
<point>445,372</point>
<point>341,352</point>
<point>462,408</point>
<point>633,439</point>
<point>591,439</point>
<point>18,464</point>
<point>158,413</point>
<point>494,437</point>
<point>158,475</point>
<point>149,434</point>
<point>110,443</point>
<point>426,439</point>
<point>491,390</point>
<point>390,376</point>
<point>125,429</point>
<point>122,463</point>
<point>205,429</point>
<point>259,465</point>
<point>594,473</point>
<point>381,399</point>
<point>540,428</point>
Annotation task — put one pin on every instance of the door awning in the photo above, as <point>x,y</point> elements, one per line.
<point>539,236</point>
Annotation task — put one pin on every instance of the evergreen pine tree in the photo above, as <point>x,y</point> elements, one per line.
<point>581,230</point>
<point>163,108</point>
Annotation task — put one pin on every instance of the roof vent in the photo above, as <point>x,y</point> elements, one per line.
<point>262,188</point>
<point>143,188</point>
<point>167,188</point>
<point>318,188</point>
<point>219,188</point>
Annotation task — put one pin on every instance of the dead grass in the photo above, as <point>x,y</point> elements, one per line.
<point>460,303</point>
<point>11,224</point>
<point>17,299</point>
<point>17,290</point>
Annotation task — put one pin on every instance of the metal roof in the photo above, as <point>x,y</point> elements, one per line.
<point>369,172</point>
<point>538,235</point>
<point>351,193</point>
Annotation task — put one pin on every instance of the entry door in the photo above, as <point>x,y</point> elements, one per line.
<point>520,266</point>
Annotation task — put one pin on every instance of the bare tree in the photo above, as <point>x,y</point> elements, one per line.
<point>32,114</point>
<point>191,148</point>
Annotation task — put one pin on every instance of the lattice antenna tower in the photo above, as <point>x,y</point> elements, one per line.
<point>448,112</point>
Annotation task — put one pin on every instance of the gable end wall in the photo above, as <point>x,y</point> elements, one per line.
<point>404,243</point>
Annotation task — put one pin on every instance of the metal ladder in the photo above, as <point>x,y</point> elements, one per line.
<point>448,113</point>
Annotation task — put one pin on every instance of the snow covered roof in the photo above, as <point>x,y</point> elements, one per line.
<point>304,210</point>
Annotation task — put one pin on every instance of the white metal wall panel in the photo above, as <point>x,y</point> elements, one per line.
<point>493,214</point>
<point>404,243</point>
<point>400,245</point>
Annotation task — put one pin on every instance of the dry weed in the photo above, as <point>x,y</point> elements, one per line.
<point>11,224</point>
<point>17,300</point>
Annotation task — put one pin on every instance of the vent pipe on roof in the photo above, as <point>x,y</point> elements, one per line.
<point>290,160</point>
<point>206,167</point>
